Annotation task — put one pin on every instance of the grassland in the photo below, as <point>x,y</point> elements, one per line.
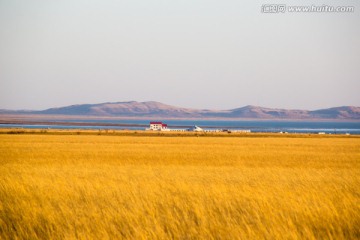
<point>90,186</point>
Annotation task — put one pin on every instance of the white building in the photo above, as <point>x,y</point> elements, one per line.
<point>157,126</point>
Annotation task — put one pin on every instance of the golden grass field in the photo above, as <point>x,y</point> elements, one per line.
<point>150,187</point>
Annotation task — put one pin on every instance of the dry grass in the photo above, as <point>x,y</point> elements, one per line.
<point>106,187</point>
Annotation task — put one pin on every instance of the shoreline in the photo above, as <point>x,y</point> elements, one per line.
<point>144,133</point>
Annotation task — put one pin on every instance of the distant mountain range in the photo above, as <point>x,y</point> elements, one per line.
<point>159,110</point>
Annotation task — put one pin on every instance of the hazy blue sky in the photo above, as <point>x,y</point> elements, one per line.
<point>193,53</point>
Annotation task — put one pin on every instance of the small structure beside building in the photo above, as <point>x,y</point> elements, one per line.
<point>238,131</point>
<point>195,129</point>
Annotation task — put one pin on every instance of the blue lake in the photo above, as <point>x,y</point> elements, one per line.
<point>254,126</point>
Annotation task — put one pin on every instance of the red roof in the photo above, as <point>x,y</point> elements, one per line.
<point>155,122</point>
<point>164,125</point>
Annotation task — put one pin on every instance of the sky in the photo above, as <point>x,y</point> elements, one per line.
<point>189,53</point>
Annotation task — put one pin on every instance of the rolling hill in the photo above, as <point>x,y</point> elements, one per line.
<point>160,110</point>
